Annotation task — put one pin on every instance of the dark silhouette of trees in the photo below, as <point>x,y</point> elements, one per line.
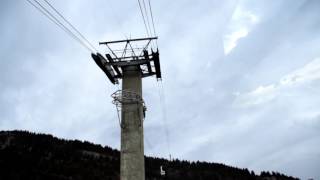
<point>26,155</point>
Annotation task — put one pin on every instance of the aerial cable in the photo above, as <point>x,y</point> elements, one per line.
<point>75,29</point>
<point>148,22</point>
<point>62,26</point>
<point>144,21</point>
<point>152,20</point>
<point>46,13</point>
<point>75,37</point>
<point>147,17</point>
<point>164,117</point>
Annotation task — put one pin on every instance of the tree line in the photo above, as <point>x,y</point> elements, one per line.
<point>27,155</point>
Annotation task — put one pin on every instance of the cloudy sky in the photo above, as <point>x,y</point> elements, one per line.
<point>240,82</point>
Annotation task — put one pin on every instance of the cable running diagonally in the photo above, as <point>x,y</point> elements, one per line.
<point>75,29</point>
<point>144,21</point>
<point>46,13</point>
<point>164,117</point>
<point>147,17</point>
<point>152,19</point>
<point>67,30</point>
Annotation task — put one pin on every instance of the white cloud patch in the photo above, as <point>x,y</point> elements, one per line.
<point>309,72</point>
<point>241,24</point>
<point>263,94</point>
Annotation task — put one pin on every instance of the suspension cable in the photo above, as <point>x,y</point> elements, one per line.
<point>152,20</point>
<point>52,18</point>
<point>164,117</point>
<point>68,22</point>
<point>147,17</point>
<point>144,21</point>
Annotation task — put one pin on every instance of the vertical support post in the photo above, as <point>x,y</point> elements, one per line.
<point>132,147</point>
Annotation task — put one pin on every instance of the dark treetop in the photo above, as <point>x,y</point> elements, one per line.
<point>29,156</point>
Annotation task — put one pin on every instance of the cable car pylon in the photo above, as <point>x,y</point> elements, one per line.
<point>130,65</point>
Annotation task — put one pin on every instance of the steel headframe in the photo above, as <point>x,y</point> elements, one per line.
<point>145,57</point>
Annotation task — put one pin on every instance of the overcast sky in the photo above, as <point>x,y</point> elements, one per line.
<point>241,79</point>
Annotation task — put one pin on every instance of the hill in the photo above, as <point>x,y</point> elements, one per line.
<point>30,156</point>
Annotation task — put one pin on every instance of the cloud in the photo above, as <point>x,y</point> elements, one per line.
<point>240,79</point>
<point>241,23</point>
<point>264,94</point>
<point>310,72</point>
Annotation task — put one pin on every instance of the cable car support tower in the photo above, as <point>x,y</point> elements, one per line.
<point>134,61</point>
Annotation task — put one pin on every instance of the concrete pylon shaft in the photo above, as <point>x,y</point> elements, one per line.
<point>132,147</point>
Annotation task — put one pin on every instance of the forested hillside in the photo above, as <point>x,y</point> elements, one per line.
<point>30,156</point>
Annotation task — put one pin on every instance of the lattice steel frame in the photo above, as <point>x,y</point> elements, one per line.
<point>144,57</point>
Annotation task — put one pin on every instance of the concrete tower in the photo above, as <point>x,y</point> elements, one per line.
<point>131,66</point>
<point>132,149</point>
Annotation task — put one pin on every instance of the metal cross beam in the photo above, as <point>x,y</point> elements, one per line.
<point>144,58</point>
<point>128,40</point>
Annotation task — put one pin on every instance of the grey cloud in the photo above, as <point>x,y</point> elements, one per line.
<point>49,83</point>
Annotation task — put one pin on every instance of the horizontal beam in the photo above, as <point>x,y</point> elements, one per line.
<point>143,75</point>
<point>128,63</point>
<point>148,74</point>
<point>127,57</point>
<point>128,40</point>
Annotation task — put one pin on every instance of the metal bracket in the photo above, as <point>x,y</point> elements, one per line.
<point>121,97</point>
